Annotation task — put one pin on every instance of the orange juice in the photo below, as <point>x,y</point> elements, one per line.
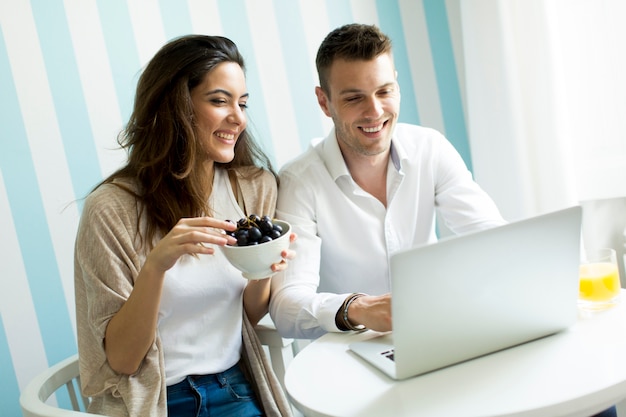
<point>599,281</point>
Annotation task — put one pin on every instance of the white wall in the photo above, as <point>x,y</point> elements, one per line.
<point>546,99</point>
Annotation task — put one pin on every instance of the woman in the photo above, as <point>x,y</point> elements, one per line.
<point>160,312</point>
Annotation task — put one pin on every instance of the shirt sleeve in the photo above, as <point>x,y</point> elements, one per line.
<point>460,202</point>
<point>296,307</point>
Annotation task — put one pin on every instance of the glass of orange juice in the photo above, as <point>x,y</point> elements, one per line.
<point>599,280</point>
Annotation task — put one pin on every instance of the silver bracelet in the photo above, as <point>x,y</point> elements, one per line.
<point>347,323</point>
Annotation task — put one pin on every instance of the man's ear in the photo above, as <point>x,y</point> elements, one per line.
<point>322,100</point>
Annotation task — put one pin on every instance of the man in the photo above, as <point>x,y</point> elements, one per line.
<point>370,188</point>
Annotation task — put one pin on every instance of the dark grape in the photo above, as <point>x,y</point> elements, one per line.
<point>254,234</point>
<point>266,226</point>
<point>274,234</point>
<point>242,237</point>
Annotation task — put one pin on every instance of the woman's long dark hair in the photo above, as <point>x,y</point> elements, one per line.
<point>165,155</point>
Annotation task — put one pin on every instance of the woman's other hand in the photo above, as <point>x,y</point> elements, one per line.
<point>286,254</point>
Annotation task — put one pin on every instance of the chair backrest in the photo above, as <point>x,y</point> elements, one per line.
<point>63,375</point>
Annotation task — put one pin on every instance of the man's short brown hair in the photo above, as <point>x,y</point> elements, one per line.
<point>351,42</point>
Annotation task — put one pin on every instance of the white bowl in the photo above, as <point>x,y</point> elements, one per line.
<point>255,262</point>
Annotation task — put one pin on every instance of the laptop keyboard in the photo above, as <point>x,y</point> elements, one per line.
<point>388,354</point>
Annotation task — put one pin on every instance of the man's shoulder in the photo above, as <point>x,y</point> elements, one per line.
<point>412,139</point>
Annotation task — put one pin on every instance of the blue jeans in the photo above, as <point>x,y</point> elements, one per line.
<point>609,412</point>
<point>227,393</point>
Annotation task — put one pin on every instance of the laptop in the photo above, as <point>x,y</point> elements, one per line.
<point>471,295</point>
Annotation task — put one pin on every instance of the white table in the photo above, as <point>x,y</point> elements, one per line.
<point>576,373</point>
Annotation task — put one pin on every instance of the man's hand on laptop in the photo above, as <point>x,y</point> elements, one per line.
<point>372,311</point>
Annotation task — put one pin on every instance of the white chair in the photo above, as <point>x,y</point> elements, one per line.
<point>281,350</point>
<point>65,375</point>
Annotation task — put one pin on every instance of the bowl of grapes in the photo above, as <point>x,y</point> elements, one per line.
<point>260,241</point>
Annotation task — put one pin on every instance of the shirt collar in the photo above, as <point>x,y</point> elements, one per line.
<point>332,157</point>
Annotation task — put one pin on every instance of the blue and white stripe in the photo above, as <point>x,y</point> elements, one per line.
<point>68,71</point>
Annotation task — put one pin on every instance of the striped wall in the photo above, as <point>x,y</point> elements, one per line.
<point>67,76</point>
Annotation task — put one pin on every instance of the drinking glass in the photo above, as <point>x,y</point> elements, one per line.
<point>599,280</point>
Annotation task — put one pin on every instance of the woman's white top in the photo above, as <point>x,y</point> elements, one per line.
<point>200,315</point>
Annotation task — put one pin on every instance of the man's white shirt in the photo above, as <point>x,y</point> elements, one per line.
<point>346,236</point>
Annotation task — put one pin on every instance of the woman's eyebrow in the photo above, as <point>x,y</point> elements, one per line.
<point>225,92</point>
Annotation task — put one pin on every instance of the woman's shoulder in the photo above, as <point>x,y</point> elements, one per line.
<point>117,198</point>
<point>255,177</point>
<point>118,191</point>
<point>259,189</point>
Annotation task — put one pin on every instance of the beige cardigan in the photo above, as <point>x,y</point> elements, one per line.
<point>107,261</point>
